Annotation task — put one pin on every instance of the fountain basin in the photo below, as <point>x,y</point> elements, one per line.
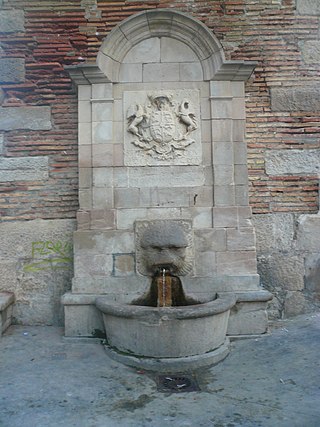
<point>166,332</point>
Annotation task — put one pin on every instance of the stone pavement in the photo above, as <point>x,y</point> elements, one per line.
<point>48,381</point>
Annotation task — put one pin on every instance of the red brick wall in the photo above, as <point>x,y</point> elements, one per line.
<point>61,33</point>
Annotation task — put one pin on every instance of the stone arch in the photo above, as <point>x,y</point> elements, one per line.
<point>175,25</point>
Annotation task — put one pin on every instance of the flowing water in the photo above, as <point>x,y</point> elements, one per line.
<point>164,289</point>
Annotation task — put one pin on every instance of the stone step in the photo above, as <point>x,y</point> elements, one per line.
<point>6,307</point>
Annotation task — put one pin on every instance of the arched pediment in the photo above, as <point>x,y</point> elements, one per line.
<point>176,25</point>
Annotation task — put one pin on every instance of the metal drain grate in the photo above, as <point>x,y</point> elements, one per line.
<point>177,383</point>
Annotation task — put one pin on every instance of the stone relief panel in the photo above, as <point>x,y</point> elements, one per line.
<point>162,128</point>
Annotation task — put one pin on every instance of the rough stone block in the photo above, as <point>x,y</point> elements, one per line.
<point>166,72</point>
<point>242,195</point>
<point>85,178</point>
<point>83,220</point>
<point>288,162</point>
<point>223,153</point>
<point>120,177</point>
<point>238,130</point>
<point>119,288</point>
<point>241,239</point>
<point>244,216</point>
<point>237,89</point>
<point>84,92</point>
<point>84,133</point>
<point>205,264</point>
<point>123,265</point>
<point>102,198</point>
<point>127,197</point>
<point>224,195</point>
<point>202,217</point>
<point>102,91</point>
<point>221,131</point>
<point>206,132</point>
<point>311,51</point>
<point>85,199</point>
<point>6,305</point>
<point>205,109</point>
<point>210,240</point>
<point>308,233</point>
<point>241,262</point>
<point>282,272</point>
<point>102,177</point>
<point>31,118</point>
<point>85,156</point>
<point>171,197</point>
<point>201,196</point>
<point>274,232</point>
<point>225,217</point>
<point>165,212</point>
<point>102,112</point>
<point>191,72</point>
<point>221,109</point>
<point>102,155</point>
<point>294,304</point>
<point>102,132</point>
<point>1,144</point>
<point>84,112</point>
<point>11,21</point>
<point>175,51</point>
<point>220,88</point>
<point>223,174</point>
<point>241,174</point>
<point>114,241</point>
<point>36,264</point>
<point>103,219</point>
<point>144,52</point>
<point>308,7</point>
<point>206,153</point>
<point>82,320</point>
<point>300,98</point>
<point>248,318</point>
<point>93,265</point>
<point>127,217</point>
<point>24,169</point>
<point>130,73</point>
<point>312,275</point>
<point>238,109</point>
<point>240,153</point>
<point>12,70</point>
<point>166,176</point>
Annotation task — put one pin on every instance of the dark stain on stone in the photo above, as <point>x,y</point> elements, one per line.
<point>132,404</point>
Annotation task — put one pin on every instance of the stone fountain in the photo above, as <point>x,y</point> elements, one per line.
<point>165,259</point>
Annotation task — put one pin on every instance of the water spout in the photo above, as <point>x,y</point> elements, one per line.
<point>164,285</point>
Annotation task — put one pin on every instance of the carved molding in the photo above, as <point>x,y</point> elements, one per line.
<point>180,26</point>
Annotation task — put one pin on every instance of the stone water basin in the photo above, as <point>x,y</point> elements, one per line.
<point>166,332</point>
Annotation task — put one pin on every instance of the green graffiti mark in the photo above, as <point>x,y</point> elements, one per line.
<point>48,255</point>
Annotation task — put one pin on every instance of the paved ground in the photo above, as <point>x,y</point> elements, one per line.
<point>46,381</point>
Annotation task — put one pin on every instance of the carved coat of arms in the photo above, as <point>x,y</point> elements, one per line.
<point>162,127</point>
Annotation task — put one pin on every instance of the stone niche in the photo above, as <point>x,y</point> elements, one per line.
<point>162,136</point>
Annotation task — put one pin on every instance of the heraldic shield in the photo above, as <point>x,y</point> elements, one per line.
<point>162,128</point>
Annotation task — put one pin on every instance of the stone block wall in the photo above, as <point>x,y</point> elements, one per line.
<point>38,118</point>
